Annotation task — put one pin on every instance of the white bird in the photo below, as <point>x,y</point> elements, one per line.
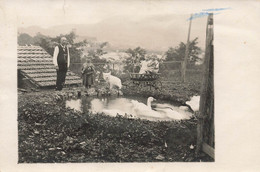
<point>142,110</point>
<point>172,112</point>
<point>184,108</point>
<point>163,106</point>
<point>194,103</point>
<point>161,111</point>
<point>169,106</point>
<point>138,105</point>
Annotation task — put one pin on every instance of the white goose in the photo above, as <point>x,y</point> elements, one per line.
<point>194,103</point>
<point>142,110</point>
<point>169,106</point>
<point>173,112</point>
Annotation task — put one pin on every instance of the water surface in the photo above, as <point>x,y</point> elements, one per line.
<point>124,106</point>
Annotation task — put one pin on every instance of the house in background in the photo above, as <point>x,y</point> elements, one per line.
<point>36,69</point>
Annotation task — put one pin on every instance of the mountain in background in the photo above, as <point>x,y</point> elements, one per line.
<point>156,33</point>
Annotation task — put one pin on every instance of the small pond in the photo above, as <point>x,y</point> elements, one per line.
<point>131,106</point>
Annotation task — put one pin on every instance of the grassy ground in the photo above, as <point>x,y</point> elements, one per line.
<point>48,132</point>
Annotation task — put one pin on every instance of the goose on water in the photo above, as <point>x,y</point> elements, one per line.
<point>172,112</point>
<point>162,111</point>
<point>142,110</point>
<point>194,103</point>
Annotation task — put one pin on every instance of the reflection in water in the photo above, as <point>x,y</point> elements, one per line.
<point>114,106</point>
<point>74,104</point>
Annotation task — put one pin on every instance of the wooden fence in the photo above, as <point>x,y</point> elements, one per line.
<point>170,70</point>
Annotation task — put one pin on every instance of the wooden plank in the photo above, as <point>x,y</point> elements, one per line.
<point>39,71</point>
<point>212,125</point>
<point>29,47</point>
<point>29,78</point>
<point>53,83</point>
<point>46,62</point>
<point>208,150</point>
<point>204,88</point>
<point>33,67</point>
<point>53,78</point>
<point>34,55</point>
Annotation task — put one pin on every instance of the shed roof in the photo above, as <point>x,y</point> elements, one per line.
<point>36,64</point>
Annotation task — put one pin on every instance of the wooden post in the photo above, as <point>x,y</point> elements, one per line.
<point>183,71</point>
<point>208,149</point>
<point>204,87</point>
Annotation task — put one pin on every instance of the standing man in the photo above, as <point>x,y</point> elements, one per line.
<point>61,61</point>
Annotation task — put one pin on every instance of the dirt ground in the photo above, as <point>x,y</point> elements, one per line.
<point>48,132</point>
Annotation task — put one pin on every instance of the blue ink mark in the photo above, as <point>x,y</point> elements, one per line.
<point>198,15</point>
<point>217,9</point>
<point>206,13</point>
<point>216,13</point>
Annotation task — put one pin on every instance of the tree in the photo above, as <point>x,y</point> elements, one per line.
<point>136,54</point>
<point>45,42</point>
<point>48,44</point>
<point>24,39</point>
<point>95,53</point>
<point>178,53</point>
<point>172,55</point>
<point>135,57</point>
<point>76,49</point>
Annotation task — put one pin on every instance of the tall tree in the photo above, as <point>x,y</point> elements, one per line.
<point>24,39</point>
<point>45,42</point>
<point>172,55</point>
<point>135,56</point>
<point>95,53</point>
<point>178,53</point>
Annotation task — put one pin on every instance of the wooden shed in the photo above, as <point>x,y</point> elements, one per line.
<point>36,69</point>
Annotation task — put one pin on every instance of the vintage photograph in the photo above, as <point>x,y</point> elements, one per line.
<point>102,82</point>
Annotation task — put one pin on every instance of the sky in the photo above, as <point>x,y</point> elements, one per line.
<point>159,21</point>
<point>49,13</point>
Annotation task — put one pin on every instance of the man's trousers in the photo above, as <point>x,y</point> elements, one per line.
<point>61,76</point>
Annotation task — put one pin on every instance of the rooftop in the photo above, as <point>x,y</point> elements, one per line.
<point>36,64</point>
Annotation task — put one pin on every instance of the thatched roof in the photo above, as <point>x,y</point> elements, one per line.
<point>36,64</point>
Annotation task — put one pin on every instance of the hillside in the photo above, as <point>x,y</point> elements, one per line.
<point>153,33</point>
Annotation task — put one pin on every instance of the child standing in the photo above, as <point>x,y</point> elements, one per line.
<point>88,74</point>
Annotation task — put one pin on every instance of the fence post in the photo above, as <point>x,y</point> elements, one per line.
<point>205,85</point>
<point>183,71</point>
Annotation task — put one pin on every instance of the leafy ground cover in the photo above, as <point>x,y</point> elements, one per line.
<point>48,132</point>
